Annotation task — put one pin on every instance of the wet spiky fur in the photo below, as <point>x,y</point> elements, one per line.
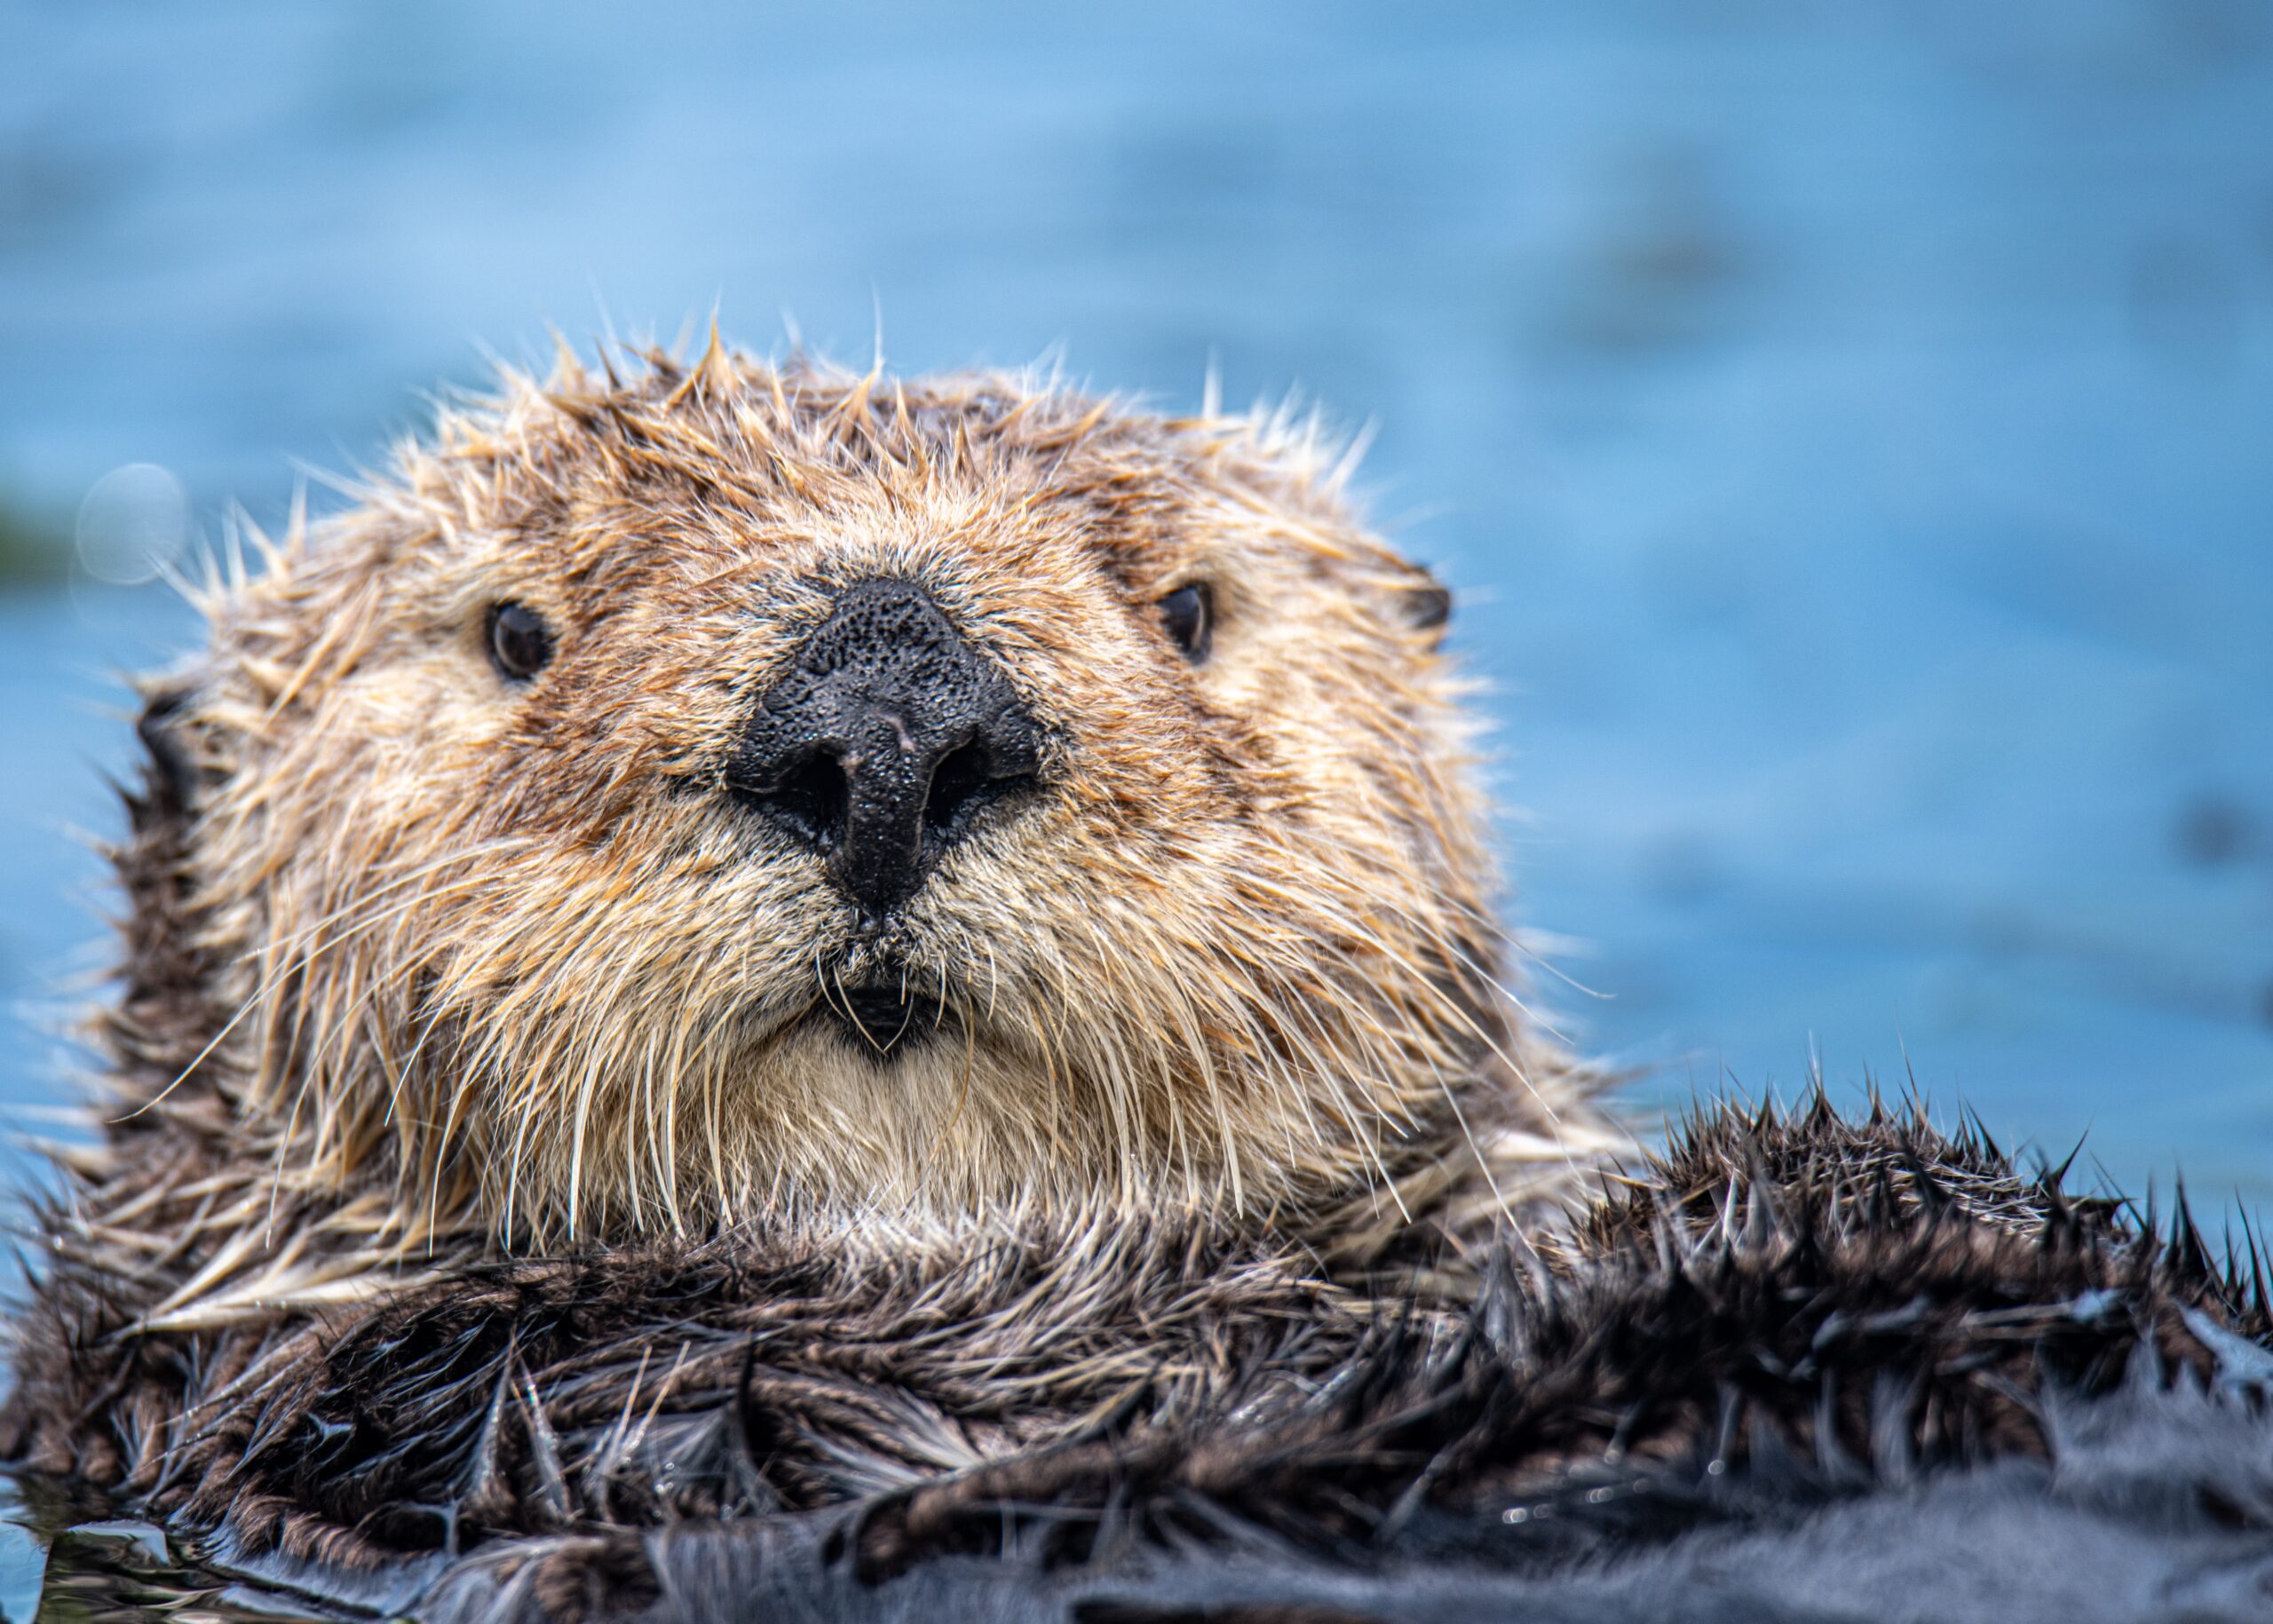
<point>477,1229</point>
<point>423,963</point>
<point>426,967</point>
<point>1790,1358</point>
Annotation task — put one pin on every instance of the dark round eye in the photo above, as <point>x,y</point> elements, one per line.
<point>519,641</point>
<point>1189,615</point>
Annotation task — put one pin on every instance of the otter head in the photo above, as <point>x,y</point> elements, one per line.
<point>737,791</point>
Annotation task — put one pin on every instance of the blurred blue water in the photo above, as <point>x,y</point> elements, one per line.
<point>1849,425</point>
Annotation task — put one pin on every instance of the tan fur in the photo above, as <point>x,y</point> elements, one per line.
<point>431,965</point>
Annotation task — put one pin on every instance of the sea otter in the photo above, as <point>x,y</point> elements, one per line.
<point>748,794</point>
<point>744,981</point>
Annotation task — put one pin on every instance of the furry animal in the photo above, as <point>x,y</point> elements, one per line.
<point>737,794</point>
<point>754,992</point>
<point>814,815</point>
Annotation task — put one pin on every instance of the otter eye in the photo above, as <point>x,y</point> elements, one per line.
<point>519,641</point>
<point>1188,614</point>
<point>1428,608</point>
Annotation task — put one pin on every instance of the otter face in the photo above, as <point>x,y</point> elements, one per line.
<point>737,792</point>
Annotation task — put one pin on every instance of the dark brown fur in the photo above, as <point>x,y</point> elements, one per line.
<point>1812,1306</point>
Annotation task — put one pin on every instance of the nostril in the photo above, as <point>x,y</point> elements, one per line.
<point>809,797</point>
<point>963,783</point>
<point>959,779</point>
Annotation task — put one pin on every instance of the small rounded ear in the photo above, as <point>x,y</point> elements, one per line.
<point>170,778</point>
<point>1428,605</point>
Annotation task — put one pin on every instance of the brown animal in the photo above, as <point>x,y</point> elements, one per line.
<point>739,796</point>
<point>756,994</point>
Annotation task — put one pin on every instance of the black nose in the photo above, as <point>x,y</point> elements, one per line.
<point>884,742</point>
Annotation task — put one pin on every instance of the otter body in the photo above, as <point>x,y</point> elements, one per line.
<point>1801,1369</point>
<point>744,985</point>
<point>878,818</point>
